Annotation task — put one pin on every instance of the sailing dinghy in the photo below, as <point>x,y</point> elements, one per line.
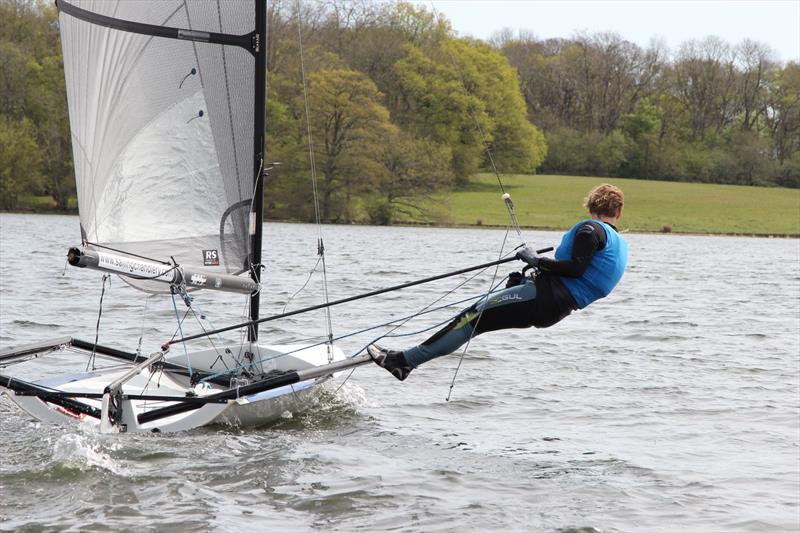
<point>167,109</point>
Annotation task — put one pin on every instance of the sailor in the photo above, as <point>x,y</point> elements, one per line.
<point>588,264</point>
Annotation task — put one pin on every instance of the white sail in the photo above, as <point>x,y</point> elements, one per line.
<point>162,127</point>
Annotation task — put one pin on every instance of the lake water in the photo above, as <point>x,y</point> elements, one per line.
<point>672,405</point>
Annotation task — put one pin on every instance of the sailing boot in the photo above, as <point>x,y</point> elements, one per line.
<point>392,361</point>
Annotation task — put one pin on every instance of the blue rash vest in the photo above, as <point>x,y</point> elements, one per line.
<point>604,271</point>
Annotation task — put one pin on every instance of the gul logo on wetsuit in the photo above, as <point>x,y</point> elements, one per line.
<point>505,297</point>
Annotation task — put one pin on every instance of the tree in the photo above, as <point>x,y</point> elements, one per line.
<point>414,168</point>
<point>783,112</point>
<point>642,128</point>
<point>705,78</point>
<point>432,103</point>
<point>32,86</point>
<point>516,144</point>
<point>587,82</point>
<point>15,70</point>
<point>757,68</point>
<point>52,130</point>
<point>612,75</point>
<point>19,161</point>
<point>349,124</point>
<point>466,95</point>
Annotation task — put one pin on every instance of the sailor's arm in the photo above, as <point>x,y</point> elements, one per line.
<point>588,240</point>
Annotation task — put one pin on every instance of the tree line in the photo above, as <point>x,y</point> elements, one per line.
<point>711,112</point>
<point>398,107</point>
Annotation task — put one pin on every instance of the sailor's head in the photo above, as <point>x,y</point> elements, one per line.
<point>605,202</point>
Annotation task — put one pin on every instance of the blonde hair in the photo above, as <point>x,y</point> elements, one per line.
<point>605,200</point>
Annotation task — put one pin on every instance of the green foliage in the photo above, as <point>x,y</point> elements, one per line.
<point>610,153</point>
<point>715,113</point>
<point>788,173</point>
<point>379,211</point>
<point>464,94</point>
<point>368,167</point>
<point>574,152</point>
<point>49,106</point>
<point>15,69</point>
<point>349,123</point>
<point>19,161</point>
<point>401,109</point>
<point>33,103</point>
<point>642,128</point>
<point>783,120</point>
<point>433,104</point>
<point>413,169</point>
<point>517,145</point>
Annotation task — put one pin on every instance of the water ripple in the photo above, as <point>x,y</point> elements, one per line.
<point>671,405</point>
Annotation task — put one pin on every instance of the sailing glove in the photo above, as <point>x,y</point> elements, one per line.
<point>528,255</point>
<point>514,279</point>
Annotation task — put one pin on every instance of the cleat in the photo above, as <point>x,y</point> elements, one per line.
<point>392,361</point>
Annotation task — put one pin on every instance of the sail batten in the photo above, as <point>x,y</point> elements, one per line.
<point>161,104</point>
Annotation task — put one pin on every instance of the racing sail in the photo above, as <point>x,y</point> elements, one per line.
<point>163,112</point>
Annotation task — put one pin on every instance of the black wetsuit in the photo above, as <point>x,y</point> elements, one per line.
<point>540,303</point>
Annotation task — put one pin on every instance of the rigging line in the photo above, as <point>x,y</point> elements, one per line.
<point>356,297</point>
<point>252,204</point>
<point>254,274</point>
<point>477,321</point>
<point>182,320</point>
<point>420,313</point>
<point>210,338</point>
<point>220,356</point>
<point>91,361</point>
<point>242,332</point>
<point>434,326</point>
<point>352,371</point>
<point>141,332</point>
<point>311,159</point>
<point>425,309</point>
<point>310,274</point>
<point>147,385</point>
<point>506,197</point>
<point>312,162</point>
<point>449,319</point>
<point>359,332</point>
<point>327,300</point>
<point>180,329</point>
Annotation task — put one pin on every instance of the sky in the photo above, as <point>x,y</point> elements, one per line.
<point>772,22</point>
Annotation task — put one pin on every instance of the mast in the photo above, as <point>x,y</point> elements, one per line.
<point>256,215</point>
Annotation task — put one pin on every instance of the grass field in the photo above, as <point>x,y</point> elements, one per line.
<point>556,202</point>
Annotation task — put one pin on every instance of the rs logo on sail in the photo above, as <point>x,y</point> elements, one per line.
<point>210,258</point>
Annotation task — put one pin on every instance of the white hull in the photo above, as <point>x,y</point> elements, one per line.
<point>240,410</point>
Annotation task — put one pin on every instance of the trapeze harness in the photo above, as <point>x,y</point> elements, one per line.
<point>589,263</point>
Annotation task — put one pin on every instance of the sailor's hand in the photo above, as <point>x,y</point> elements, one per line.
<point>528,255</point>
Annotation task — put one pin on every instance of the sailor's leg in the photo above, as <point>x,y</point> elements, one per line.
<point>509,308</point>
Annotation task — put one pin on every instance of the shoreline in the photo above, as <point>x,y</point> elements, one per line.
<point>469,226</point>
<point>622,230</point>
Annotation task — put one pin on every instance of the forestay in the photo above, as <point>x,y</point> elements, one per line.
<point>162,120</point>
